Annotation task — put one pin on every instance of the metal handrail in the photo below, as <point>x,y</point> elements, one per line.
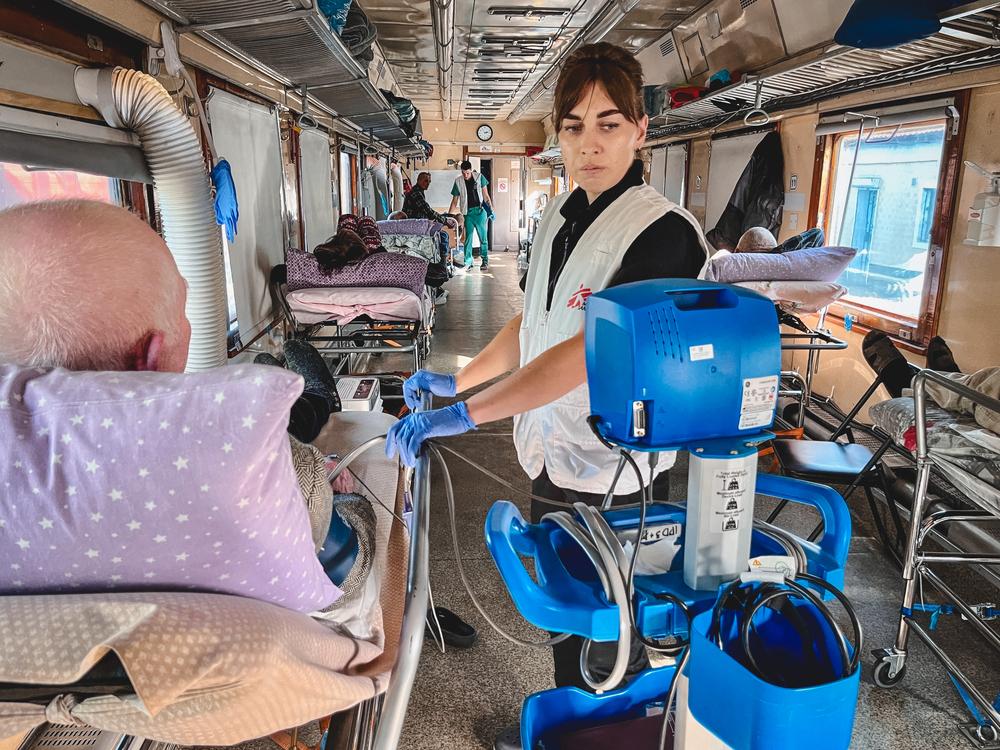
<point>920,401</point>
<point>411,638</point>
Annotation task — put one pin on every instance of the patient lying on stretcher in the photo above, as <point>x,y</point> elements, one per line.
<point>89,287</point>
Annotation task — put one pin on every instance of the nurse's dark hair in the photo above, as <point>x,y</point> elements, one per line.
<point>616,69</point>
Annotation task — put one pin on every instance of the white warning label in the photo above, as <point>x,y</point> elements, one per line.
<point>760,395</point>
<point>731,490</point>
<point>701,352</point>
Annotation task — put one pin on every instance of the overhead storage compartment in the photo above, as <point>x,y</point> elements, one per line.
<point>296,45</point>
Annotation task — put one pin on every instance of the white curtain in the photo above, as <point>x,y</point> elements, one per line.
<point>675,174</point>
<point>730,157</point>
<point>246,134</point>
<point>316,175</point>
<point>658,168</point>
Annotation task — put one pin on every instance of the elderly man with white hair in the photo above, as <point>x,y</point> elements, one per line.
<point>88,286</point>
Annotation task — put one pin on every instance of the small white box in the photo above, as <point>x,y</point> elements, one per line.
<point>359,394</point>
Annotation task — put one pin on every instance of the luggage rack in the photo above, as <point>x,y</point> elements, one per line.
<point>292,41</point>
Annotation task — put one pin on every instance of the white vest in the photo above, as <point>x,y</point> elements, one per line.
<point>556,436</point>
<point>463,193</point>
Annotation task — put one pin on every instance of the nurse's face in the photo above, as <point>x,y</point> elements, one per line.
<point>598,144</point>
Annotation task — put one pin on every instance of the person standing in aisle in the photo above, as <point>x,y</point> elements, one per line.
<point>470,194</point>
<point>613,229</point>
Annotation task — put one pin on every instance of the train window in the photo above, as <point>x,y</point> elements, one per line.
<point>882,199</point>
<point>24,184</point>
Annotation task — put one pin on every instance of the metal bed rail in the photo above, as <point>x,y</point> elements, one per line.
<point>377,723</point>
<point>891,662</point>
<point>812,340</point>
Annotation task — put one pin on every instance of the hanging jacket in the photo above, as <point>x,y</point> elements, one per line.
<point>556,436</point>
<point>463,193</point>
<point>757,199</point>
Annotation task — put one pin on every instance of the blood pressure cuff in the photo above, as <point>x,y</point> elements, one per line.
<point>879,24</point>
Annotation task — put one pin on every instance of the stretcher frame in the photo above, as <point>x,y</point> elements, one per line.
<point>891,662</point>
<point>815,341</point>
<point>362,337</point>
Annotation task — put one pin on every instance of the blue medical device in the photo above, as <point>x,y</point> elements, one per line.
<point>671,365</point>
<point>663,358</point>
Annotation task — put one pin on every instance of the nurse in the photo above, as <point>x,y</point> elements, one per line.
<point>612,229</point>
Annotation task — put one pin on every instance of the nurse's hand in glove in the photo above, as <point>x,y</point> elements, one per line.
<point>426,381</point>
<point>406,437</point>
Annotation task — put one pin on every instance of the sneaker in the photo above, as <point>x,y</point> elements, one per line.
<point>442,297</point>
<point>469,268</point>
<point>484,267</point>
<point>509,738</point>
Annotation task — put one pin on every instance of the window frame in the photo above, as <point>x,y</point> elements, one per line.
<point>913,334</point>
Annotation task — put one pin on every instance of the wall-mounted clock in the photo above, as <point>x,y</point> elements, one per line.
<point>484,132</point>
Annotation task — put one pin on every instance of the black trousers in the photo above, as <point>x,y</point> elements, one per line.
<point>566,655</point>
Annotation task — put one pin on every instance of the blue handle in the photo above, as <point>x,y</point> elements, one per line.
<point>832,507</point>
<point>581,610</point>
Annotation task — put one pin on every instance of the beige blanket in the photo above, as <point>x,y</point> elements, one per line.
<point>210,669</point>
<point>986,381</point>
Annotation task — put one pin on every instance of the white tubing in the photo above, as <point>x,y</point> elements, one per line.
<point>135,101</point>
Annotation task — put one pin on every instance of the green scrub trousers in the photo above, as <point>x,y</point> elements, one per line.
<point>476,221</point>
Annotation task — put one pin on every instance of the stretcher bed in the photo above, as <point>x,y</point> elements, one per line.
<point>351,322</point>
<point>944,444</point>
<point>208,669</point>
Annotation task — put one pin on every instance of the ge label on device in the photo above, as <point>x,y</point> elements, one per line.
<point>760,395</point>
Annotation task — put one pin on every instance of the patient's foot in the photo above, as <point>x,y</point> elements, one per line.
<point>939,356</point>
<point>886,360</point>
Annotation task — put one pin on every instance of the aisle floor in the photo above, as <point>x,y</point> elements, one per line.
<point>462,698</point>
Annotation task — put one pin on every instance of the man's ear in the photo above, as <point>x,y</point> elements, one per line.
<point>147,352</point>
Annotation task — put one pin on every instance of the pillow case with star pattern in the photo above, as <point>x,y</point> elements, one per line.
<point>144,481</point>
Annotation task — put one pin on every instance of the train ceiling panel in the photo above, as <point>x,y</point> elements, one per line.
<point>512,46</point>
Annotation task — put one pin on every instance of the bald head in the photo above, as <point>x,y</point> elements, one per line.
<point>756,240</point>
<point>88,286</point>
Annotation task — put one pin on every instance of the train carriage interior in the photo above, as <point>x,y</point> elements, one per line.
<point>351,398</point>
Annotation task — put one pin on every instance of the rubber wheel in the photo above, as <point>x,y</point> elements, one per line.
<point>880,674</point>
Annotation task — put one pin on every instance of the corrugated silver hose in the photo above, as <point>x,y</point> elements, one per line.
<point>132,100</point>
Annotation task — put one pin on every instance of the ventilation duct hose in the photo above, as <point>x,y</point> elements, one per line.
<point>131,100</point>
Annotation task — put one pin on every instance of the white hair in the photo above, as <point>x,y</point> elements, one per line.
<point>756,240</point>
<point>81,283</point>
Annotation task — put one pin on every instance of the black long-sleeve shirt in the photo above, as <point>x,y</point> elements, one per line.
<point>415,206</point>
<point>667,248</point>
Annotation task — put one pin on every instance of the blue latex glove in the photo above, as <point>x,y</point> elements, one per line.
<point>489,212</point>
<point>408,434</point>
<point>227,208</point>
<point>424,380</point>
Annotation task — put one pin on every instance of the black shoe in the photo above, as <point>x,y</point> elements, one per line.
<point>484,267</point>
<point>457,633</point>
<point>939,356</point>
<point>508,738</point>
<point>886,360</point>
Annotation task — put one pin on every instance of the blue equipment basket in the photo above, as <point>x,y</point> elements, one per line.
<point>752,714</point>
<point>568,597</point>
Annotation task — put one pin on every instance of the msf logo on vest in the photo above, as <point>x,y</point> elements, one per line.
<point>578,300</point>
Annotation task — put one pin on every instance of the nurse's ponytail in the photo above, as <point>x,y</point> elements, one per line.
<point>615,68</point>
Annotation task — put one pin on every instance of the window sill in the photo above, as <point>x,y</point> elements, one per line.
<point>866,319</point>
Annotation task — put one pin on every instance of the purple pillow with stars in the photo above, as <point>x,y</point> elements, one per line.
<point>144,481</point>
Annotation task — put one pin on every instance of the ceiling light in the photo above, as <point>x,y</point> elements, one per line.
<point>533,14</point>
